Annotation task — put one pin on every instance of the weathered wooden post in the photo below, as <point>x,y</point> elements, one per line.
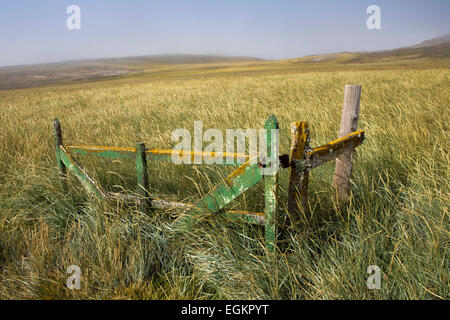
<point>57,135</point>
<point>349,124</point>
<point>298,182</point>
<point>141,167</point>
<point>271,187</point>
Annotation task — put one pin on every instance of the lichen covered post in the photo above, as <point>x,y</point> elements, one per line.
<point>57,136</point>
<point>349,124</point>
<point>271,187</point>
<point>298,182</point>
<point>141,167</point>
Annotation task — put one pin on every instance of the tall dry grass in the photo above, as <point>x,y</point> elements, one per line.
<point>397,217</point>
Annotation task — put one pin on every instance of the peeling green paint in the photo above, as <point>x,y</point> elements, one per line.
<point>142,175</point>
<point>271,192</point>
<point>230,188</point>
<point>88,183</point>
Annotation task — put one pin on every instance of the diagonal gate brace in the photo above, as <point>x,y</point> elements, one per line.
<point>80,173</point>
<point>239,181</point>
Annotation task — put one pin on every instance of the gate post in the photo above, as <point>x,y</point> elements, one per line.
<point>271,183</point>
<point>141,167</point>
<point>298,182</point>
<point>57,136</point>
<point>349,124</point>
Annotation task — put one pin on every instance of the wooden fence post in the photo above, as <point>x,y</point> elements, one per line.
<point>271,189</point>
<point>141,167</point>
<point>57,135</point>
<point>298,182</point>
<point>349,124</point>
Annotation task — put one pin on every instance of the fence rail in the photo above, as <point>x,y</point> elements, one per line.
<point>153,154</point>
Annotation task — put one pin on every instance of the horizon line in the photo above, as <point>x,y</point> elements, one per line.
<point>249,57</point>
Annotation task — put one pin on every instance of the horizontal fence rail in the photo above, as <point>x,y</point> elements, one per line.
<point>314,158</point>
<point>331,150</point>
<point>156,154</point>
<point>248,216</point>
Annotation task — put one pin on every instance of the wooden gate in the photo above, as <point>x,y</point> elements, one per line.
<point>301,160</point>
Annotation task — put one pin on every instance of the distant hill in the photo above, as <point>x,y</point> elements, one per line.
<point>433,42</point>
<point>434,52</point>
<point>433,49</point>
<point>174,59</point>
<point>25,76</point>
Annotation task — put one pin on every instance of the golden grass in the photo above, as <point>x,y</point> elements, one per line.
<point>397,217</point>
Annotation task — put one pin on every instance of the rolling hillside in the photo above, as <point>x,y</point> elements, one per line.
<point>437,48</point>
<point>429,54</point>
<point>25,76</point>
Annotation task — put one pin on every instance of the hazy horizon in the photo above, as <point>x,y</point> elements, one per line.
<point>35,33</point>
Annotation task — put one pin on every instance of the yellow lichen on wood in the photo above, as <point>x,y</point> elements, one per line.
<point>98,148</point>
<point>204,154</point>
<point>239,171</point>
<point>124,152</point>
<point>333,149</point>
<point>298,182</point>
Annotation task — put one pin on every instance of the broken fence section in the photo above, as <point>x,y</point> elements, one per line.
<point>302,159</point>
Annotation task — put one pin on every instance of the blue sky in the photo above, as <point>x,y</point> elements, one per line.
<point>34,31</point>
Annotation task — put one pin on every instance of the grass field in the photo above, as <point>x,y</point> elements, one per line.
<point>397,217</point>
